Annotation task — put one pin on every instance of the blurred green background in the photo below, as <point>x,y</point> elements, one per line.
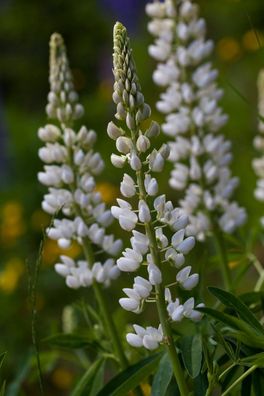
<point>25,28</point>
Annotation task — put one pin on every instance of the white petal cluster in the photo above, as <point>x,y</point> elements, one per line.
<point>71,165</point>
<point>159,231</point>
<point>137,295</point>
<point>258,163</point>
<point>178,311</point>
<point>150,338</point>
<point>80,273</point>
<point>193,117</point>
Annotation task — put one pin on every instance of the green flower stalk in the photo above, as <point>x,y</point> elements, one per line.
<point>153,215</point>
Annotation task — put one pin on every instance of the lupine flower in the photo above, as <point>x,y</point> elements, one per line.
<point>258,163</point>
<point>151,216</point>
<point>149,337</point>
<point>71,167</point>
<point>193,117</point>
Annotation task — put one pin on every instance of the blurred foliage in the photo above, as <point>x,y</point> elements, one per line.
<point>25,26</point>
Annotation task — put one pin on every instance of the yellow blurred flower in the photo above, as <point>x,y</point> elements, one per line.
<point>12,225</point>
<point>40,220</point>
<point>108,191</point>
<point>252,40</point>
<point>62,378</point>
<point>228,49</point>
<point>233,264</point>
<point>146,388</point>
<point>11,274</point>
<point>105,90</point>
<point>51,251</point>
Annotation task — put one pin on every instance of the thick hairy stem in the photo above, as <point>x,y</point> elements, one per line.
<point>106,314</point>
<point>161,303</point>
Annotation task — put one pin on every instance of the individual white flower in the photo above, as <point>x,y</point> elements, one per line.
<point>143,212</point>
<point>130,260</point>
<point>150,337</point>
<point>190,312</point>
<point>187,281</point>
<point>127,187</point>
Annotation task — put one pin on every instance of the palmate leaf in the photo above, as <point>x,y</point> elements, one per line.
<point>162,377</point>
<point>130,378</point>
<point>230,300</point>
<point>86,382</point>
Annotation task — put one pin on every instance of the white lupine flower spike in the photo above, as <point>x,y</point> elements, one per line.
<point>150,243</point>
<point>193,117</point>
<point>79,213</point>
<point>258,163</point>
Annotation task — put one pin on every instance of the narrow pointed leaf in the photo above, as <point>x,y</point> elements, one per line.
<point>86,381</point>
<point>191,348</point>
<point>230,300</point>
<point>231,321</point>
<point>98,381</point>
<point>130,378</point>
<point>73,341</point>
<point>2,390</point>
<point>163,377</point>
<point>258,382</point>
<point>2,358</point>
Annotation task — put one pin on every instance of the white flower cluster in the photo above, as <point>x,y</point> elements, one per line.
<point>71,164</point>
<point>258,163</point>
<point>152,215</point>
<point>150,337</point>
<point>77,274</point>
<point>201,156</point>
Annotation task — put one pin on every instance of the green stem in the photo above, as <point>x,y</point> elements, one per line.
<point>161,304</point>
<point>220,245</point>
<point>240,379</point>
<point>226,371</point>
<point>260,271</point>
<point>106,314</point>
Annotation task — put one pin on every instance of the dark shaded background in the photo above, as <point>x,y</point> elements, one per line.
<point>25,27</point>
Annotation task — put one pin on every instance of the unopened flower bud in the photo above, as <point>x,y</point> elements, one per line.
<point>143,144</point>
<point>123,144</point>
<point>113,131</point>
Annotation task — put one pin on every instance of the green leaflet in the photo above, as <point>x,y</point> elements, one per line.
<point>2,390</point>
<point>2,358</point>
<point>98,381</point>
<point>191,347</point>
<point>243,328</point>
<point>131,377</point>
<point>258,382</point>
<point>230,300</point>
<point>253,360</point>
<point>87,378</point>
<point>162,377</point>
<point>73,341</point>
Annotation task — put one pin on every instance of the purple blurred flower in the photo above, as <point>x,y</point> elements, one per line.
<point>126,11</point>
